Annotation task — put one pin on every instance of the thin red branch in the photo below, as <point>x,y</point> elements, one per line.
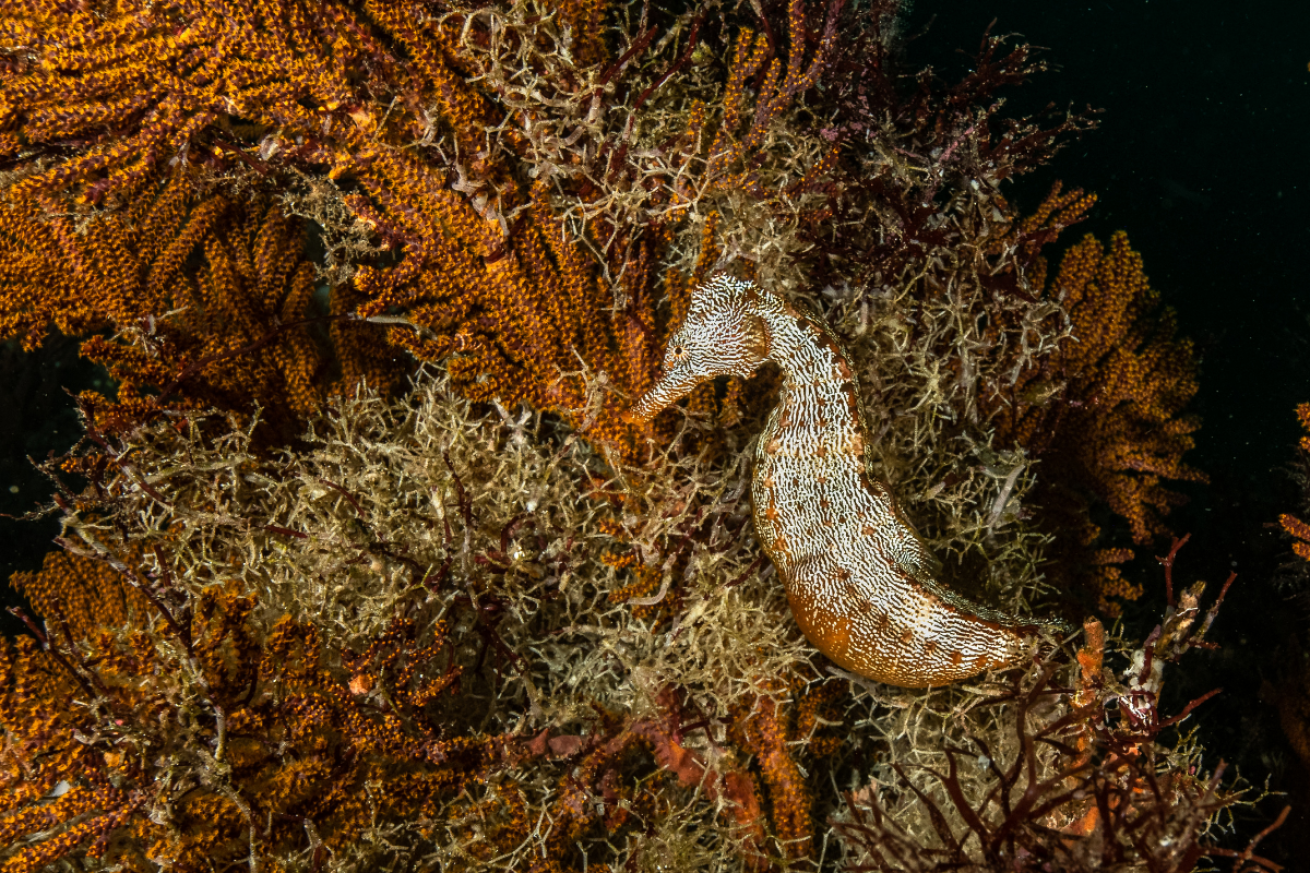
<point>1172,720</point>
<point>1168,563</point>
<point>678,65</point>
<point>638,46</point>
<point>346,494</point>
<point>1248,854</point>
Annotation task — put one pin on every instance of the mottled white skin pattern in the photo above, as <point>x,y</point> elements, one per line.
<point>860,582</point>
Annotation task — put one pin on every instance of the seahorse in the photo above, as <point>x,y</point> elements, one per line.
<point>861,583</point>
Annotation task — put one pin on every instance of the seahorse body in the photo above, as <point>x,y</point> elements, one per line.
<point>860,582</point>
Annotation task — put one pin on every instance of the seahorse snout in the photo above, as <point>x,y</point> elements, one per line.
<point>675,384</point>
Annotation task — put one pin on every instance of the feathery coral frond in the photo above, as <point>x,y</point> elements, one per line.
<point>1105,413</point>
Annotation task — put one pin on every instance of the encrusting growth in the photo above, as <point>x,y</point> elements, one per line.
<point>860,582</point>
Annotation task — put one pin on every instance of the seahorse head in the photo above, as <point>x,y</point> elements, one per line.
<point>722,335</point>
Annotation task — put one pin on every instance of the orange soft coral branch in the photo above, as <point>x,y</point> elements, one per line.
<point>1300,530</point>
<point>208,297</point>
<point>86,595</point>
<point>1303,416</point>
<point>488,274</point>
<point>290,738</point>
<point>1105,413</point>
<point>172,73</point>
<point>779,86</point>
<point>1290,523</point>
<point>1058,211</point>
<point>459,103</point>
<point>522,315</point>
<point>763,731</point>
<point>117,807</point>
<point>1133,377</point>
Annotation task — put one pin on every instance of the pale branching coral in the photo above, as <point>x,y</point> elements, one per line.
<point>403,643</point>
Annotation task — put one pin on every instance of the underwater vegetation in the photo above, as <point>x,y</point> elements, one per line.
<point>1118,430</point>
<point>362,565</point>
<point>1289,688</point>
<point>420,672</point>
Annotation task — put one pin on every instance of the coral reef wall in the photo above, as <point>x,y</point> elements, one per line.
<point>361,566</point>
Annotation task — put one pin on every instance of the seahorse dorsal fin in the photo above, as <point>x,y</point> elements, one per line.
<point>922,566</point>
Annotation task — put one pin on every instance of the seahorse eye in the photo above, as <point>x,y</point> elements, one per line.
<point>677,351</point>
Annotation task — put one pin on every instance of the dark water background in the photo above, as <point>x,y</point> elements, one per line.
<point>1202,157</point>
